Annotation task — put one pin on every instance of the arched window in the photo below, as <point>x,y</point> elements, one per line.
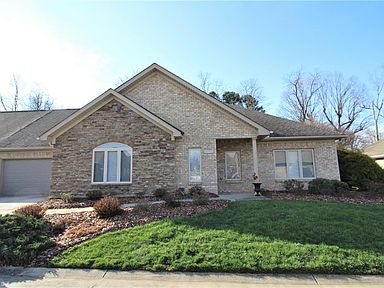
<point>112,164</point>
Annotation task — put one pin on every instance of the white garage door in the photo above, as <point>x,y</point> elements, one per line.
<point>26,177</point>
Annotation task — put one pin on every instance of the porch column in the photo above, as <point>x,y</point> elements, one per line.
<point>254,154</point>
<point>1,175</point>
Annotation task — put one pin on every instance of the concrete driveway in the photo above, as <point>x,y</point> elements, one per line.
<point>8,204</point>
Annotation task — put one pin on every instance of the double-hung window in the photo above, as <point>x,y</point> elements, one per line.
<point>294,164</point>
<point>112,164</point>
<point>195,165</point>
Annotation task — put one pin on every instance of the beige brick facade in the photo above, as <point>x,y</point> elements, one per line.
<point>325,156</point>
<point>201,121</point>
<point>161,161</point>
<point>153,160</point>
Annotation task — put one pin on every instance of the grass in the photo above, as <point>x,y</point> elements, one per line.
<point>248,236</point>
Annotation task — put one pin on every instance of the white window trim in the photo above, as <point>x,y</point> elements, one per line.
<point>189,166</point>
<point>106,150</point>
<point>225,160</point>
<point>300,164</point>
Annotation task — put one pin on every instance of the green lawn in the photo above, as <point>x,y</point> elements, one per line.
<point>249,236</point>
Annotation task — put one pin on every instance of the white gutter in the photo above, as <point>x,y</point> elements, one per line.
<point>269,138</point>
<point>6,149</point>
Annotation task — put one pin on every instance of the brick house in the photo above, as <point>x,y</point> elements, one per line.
<point>157,130</point>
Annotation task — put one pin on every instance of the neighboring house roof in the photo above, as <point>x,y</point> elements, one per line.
<point>281,127</point>
<point>22,129</point>
<point>156,67</point>
<point>96,104</point>
<point>375,150</point>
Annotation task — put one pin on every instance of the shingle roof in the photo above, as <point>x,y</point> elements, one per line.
<point>21,129</point>
<point>282,127</point>
<point>375,149</point>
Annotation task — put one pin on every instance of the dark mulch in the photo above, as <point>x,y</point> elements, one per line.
<point>353,197</point>
<point>57,203</point>
<point>73,228</point>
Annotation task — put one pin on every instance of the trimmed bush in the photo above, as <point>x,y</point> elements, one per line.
<point>108,207</point>
<point>327,187</point>
<point>293,185</point>
<point>34,210</point>
<point>199,195</point>
<point>160,193</point>
<point>358,169</point>
<point>94,195</point>
<point>171,200</point>
<point>67,197</point>
<point>22,238</point>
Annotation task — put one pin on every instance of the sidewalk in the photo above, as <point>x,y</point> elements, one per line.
<point>49,277</point>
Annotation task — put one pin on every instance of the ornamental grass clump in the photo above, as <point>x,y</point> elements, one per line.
<point>108,207</point>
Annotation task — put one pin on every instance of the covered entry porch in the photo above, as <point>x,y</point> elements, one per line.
<point>236,163</point>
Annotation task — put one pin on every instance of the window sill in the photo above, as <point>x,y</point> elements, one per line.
<point>233,180</point>
<point>298,179</point>
<point>110,183</point>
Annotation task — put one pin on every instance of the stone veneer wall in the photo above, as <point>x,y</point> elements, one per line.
<point>201,121</point>
<point>153,162</point>
<point>325,154</point>
<point>246,161</point>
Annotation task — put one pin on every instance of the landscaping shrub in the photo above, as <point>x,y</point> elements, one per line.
<point>327,187</point>
<point>34,210</point>
<point>94,195</point>
<point>67,197</point>
<point>375,187</point>
<point>358,169</point>
<point>340,186</point>
<point>160,193</point>
<point>142,206</point>
<point>22,238</point>
<point>199,195</point>
<point>293,185</point>
<point>108,207</point>
<point>171,200</point>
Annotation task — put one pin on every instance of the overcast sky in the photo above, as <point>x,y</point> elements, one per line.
<point>78,49</point>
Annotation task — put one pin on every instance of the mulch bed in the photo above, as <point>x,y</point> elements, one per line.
<point>353,197</point>
<point>56,203</point>
<point>73,228</point>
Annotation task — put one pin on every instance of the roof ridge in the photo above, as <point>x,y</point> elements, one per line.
<point>26,111</point>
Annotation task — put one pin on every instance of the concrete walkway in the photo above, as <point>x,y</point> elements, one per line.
<point>49,277</point>
<point>230,197</point>
<point>11,203</point>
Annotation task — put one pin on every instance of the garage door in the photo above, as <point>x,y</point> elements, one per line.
<point>26,177</point>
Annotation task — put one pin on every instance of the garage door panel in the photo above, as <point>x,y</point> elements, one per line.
<point>27,177</point>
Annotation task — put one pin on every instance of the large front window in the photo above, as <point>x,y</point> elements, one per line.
<point>294,164</point>
<point>112,164</point>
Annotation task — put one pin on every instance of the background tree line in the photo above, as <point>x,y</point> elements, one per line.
<point>329,100</point>
<point>17,98</point>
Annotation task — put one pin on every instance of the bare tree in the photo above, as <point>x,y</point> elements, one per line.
<point>251,87</point>
<point>205,82</point>
<point>39,100</point>
<point>12,102</point>
<point>342,102</point>
<point>301,96</point>
<point>377,101</point>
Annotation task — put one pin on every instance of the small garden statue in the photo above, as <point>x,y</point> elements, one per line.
<point>257,184</point>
